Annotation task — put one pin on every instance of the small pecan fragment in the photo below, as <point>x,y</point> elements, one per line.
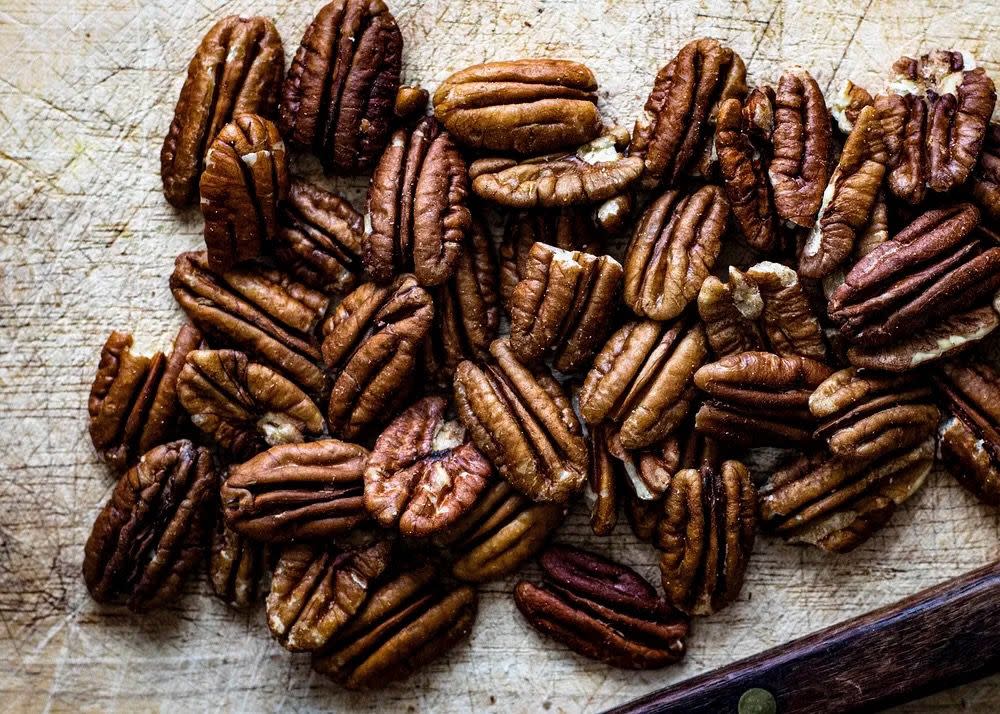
<point>602,481</point>
<point>133,400</point>
<point>528,106</point>
<point>985,181</point>
<point>642,380</point>
<point>759,398</point>
<point>236,70</point>
<point>151,533</point>
<point>423,473</point>
<point>970,436</point>
<point>320,238</point>
<point>316,590</point>
<point>563,306</point>
<point>847,104</point>
<point>244,406</point>
<point>235,566</point>
<point>673,136</point>
<point>411,102</point>
<point>340,92</point>
<point>417,215</point>
<point>372,344</point>
<point>602,610</point>
<point>263,313</point>
<point>673,250</point>
<point>294,491</point>
<point>408,622</point>
<point>523,421</point>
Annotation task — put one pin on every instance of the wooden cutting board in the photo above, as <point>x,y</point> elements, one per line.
<point>87,89</point>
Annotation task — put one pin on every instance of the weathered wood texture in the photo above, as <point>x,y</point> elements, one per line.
<point>86,93</point>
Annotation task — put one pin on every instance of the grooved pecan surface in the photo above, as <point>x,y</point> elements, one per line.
<point>236,70</point>
<point>235,566</point>
<point>985,181</point>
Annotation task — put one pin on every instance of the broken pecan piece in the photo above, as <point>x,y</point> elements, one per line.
<point>340,92</point>
<point>847,104</point>
<point>236,70</point>
<point>985,181</point>
<point>151,533</point>
<point>602,610</point>
<point>235,566</point>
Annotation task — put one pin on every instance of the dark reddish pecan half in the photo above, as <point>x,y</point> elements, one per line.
<point>294,491</point>
<point>985,181</point>
<point>236,70</point>
<point>528,106</point>
<point>524,423</point>
<point>423,473</point>
<point>317,589</point>
<point>417,215</point>
<point>340,92</point>
<point>673,250</point>
<point>408,622</point>
<point>970,436</point>
<point>151,533</point>
<point>674,134</point>
<point>602,610</point>
<point>235,567</point>
<point>133,400</point>
<point>243,406</point>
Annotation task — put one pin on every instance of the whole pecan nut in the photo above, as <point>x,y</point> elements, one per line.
<point>236,70</point>
<point>673,251</point>
<point>527,106</point>
<point>243,406</point>
<point>294,491</point>
<point>423,472</point>
<point>984,183</point>
<point>340,92</point>
<point>150,534</point>
<point>235,566</point>
<point>602,610</point>
<point>524,423</point>
<point>133,400</point>
<point>417,218</point>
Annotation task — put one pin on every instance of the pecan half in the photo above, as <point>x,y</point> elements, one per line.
<point>927,292</point>
<point>423,473</point>
<point>372,344</point>
<point>673,250</point>
<point>408,622</point>
<point>133,400</point>
<point>235,567</point>
<point>243,406</point>
<point>563,306</point>
<point>985,181</point>
<point>317,589</point>
<point>602,610</point>
<point>970,437</point>
<point>245,176</point>
<point>320,238</point>
<point>642,380</point>
<point>151,533</point>
<point>417,215</point>
<point>263,313</point>
<point>294,491</point>
<point>759,398</point>
<point>527,106</point>
<point>673,136</point>
<point>340,92</point>
<point>523,422</point>
<point>236,70</point>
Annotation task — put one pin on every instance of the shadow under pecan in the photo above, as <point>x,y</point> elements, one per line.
<point>411,620</point>
<point>673,251</point>
<point>524,423</point>
<point>602,610</point>
<point>133,400</point>
<point>243,406</point>
<point>151,533</point>
<point>294,491</point>
<point>527,106</point>
<point>423,472</point>
<point>317,589</point>
<point>985,181</point>
<point>236,69</point>
<point>235,567</point>
<point>340,92</point>
<point>969,437</point>
<point>372,343</point>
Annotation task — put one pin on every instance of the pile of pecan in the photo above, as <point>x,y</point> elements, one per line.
<point>373,411</point>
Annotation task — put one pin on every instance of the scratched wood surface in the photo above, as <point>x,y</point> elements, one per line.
<point>87,89</point>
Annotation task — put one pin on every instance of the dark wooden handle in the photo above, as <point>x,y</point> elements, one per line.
<point>936,639</point>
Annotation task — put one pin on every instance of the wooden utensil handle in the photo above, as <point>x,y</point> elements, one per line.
<point>938,638</point>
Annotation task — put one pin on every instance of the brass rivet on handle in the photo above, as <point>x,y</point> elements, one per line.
<point>757,701</point>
